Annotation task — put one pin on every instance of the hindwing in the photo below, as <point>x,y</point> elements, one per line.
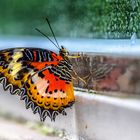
<point>41,77</point>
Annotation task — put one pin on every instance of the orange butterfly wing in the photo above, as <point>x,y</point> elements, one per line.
<point>46,86</point>
<point>48,93</point>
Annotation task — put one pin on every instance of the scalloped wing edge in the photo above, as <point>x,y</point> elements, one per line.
<point>29,104</point>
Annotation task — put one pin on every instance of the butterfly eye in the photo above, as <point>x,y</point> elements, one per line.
<point>67,53</point>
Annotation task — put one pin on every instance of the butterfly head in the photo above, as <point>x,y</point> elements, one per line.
<point>64,53</point>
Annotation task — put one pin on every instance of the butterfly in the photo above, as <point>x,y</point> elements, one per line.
<point>42,78</point>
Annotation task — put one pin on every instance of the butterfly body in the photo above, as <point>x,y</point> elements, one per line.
<point>41,77</point>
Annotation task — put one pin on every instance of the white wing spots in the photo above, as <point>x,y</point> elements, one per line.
<point>41,84</point>
<point>59,94</point>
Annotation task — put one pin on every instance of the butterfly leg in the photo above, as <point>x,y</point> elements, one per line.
<point>78,77</point>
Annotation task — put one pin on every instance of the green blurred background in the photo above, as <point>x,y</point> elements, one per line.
<point>71,18</point>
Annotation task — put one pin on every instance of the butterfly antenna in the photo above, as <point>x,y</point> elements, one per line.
<point>52,32</point>
<point>47,37</point>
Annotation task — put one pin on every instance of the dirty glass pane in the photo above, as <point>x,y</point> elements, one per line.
<point>71,18</point>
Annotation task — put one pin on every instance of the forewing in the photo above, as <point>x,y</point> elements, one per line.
<point>16,66</point>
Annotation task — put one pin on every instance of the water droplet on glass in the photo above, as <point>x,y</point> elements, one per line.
<point>133,39</point>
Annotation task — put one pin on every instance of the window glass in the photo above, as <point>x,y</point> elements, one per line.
<point>71,18</point>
